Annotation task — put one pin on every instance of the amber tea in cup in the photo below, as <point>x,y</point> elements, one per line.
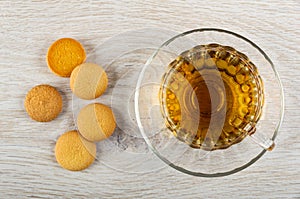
<point>211,97</point>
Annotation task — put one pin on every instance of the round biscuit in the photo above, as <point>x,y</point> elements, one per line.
<point>73,152</point>
<point>43,103</point>
<point>96,122</point>
<point>88,81</point>
<point>64,55</point>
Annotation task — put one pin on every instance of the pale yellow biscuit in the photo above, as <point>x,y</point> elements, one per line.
<point>43,103</point>
<point>96,122</point>
<point>88,81</point>
<point>64,55</point>
<point>73,152</point>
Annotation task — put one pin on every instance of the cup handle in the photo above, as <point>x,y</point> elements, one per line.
<point>266,143</point>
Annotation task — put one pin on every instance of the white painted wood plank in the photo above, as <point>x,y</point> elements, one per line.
<point>27,163</point>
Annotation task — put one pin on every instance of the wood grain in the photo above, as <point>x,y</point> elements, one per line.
<point>27,164</point>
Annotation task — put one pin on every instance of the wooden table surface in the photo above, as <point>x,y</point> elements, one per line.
<point>27,163</point>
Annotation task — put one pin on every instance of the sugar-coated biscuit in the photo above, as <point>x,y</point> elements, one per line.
<point>73,152</point>
<point>43,103</point>
<point>64,55</point>
<point>88,81</point>
<point>96,122</point>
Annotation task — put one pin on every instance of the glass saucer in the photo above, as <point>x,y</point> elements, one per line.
<point>123,56</point>
<point>177,153</point>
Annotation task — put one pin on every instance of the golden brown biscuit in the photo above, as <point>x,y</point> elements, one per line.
<point>96,122</point>
<point>64,55</point>
<point>73,152</point>
<point>43,103</point>
<point>88,81</point>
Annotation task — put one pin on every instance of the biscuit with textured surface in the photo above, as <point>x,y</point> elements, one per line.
<point>96,122</point>
<point>43,103</point>
<point>88,81</point>
<point>73,152</point>
<point>64,55</point>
